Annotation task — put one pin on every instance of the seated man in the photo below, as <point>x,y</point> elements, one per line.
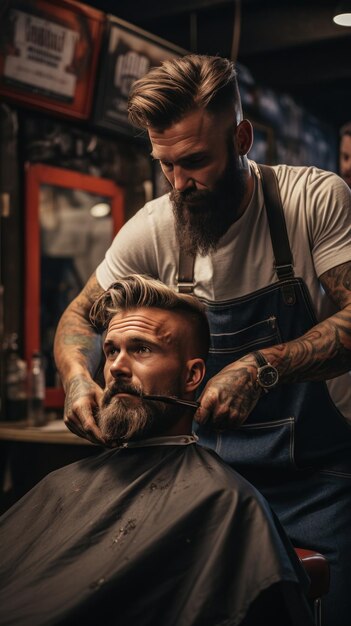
<point>157,530</point>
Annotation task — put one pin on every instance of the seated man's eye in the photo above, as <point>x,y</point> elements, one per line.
<point>111,352</point>
<point>144,350</point>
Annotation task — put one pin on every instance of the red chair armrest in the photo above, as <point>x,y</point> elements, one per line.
<point>317,568</point>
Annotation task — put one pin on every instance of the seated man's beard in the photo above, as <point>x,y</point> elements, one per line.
<point>203,217</point>
<point>121,419</point>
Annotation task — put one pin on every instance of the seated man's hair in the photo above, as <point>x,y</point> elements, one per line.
<point>346,129</point>
<point>138,291</point>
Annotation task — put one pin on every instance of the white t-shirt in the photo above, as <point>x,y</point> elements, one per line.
<point>317,209</point>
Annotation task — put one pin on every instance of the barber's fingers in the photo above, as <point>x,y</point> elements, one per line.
<point>221,415</point>
<point>228,397</point>
<point>82,423</point>
<point>208,404</point>
<point>80,408</point>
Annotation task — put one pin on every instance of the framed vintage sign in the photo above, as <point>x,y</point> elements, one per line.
<point>128,53</point>
<point>71,219</point>
<point>48,54</point>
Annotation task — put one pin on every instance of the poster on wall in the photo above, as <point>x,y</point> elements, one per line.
<point>128,54</point>
<point>48,54</point>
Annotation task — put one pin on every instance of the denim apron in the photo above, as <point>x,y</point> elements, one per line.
<point>295,445</point>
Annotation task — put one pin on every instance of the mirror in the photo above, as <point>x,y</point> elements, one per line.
<point>71,219</point>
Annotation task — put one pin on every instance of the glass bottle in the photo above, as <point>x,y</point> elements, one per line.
<point>16,394</point>
<point>36,388</point>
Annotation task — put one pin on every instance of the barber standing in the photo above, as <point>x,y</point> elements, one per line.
<point>268,250</point>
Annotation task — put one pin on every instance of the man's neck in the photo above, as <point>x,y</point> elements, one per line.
<point>249,187</point>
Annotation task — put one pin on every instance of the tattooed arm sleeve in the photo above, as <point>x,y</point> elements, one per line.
<point>77,345</point>
<point>325,350</point>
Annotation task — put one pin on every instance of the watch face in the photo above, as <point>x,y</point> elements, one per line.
<point>267,376</point>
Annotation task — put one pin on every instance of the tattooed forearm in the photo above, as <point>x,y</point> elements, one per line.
<point>77,387</point>
<point>88,350</point>
<point>77,344</point>
<point>322,353</point>
<point>337,283</point>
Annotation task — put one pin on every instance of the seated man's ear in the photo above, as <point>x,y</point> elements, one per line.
<point>195,373</point>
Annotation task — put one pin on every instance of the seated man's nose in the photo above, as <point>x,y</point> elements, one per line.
<point>120,366</point>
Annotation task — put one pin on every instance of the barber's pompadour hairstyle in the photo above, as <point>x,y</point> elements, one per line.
<point>138,291</point>
<point>180,85</point>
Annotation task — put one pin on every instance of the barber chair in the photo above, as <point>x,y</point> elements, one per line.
<point>317,568</point>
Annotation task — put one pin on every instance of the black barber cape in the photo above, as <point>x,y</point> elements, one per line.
<point>158,534</point>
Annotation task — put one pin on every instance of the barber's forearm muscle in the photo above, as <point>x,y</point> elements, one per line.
<point>77,344</point>
<point>324,351</point>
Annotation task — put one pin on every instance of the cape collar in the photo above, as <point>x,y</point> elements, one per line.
<point>176,440</point>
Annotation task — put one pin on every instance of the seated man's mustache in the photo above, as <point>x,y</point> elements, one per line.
<point>119,387</point>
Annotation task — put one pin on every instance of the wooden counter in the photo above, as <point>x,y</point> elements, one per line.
<point>53,432</point>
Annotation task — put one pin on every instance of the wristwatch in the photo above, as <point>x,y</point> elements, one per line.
<point>267,375</point>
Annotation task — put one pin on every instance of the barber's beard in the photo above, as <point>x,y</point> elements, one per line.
<point>122,419</point>
<point>202,217</point>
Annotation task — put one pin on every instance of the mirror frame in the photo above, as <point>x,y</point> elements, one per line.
<point>38,174</point>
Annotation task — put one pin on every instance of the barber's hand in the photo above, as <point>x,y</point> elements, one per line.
<point>83,398</point>
<point>230,396</point>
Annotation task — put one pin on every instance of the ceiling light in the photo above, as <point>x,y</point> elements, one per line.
<point>342,14</point>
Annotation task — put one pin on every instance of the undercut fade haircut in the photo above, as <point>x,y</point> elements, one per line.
<point>136,291</point>
<point>168,92</point>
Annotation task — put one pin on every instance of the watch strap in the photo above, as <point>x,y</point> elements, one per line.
<point>261,361</point>
<point>265,371</point>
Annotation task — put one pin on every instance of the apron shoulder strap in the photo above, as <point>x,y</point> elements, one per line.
<point>277,226</point>
<point>185,281</point>
<point>284,265</point>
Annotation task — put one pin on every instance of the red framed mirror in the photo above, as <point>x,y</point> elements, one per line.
<point>71,219</point>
